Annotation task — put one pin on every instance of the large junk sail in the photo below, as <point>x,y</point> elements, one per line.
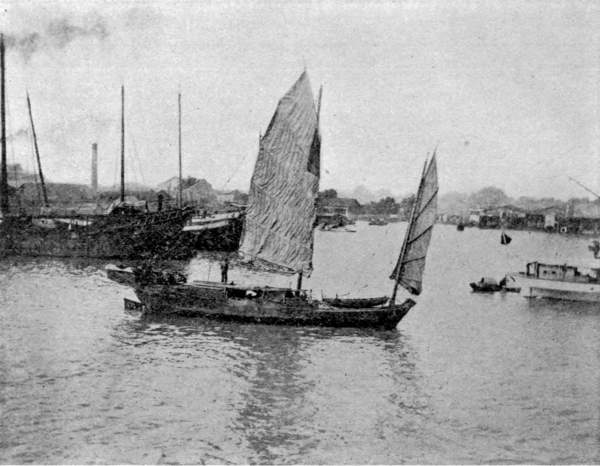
<point>281,212</point>
<point>411,263</point>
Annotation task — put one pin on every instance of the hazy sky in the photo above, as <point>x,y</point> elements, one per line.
<point>509,90</point>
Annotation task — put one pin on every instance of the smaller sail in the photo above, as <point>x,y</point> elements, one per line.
<point>505,239</point>
<point>411,263</point>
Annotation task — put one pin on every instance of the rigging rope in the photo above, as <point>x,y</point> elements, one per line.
<point>237,168</point>
<point>35,174</point>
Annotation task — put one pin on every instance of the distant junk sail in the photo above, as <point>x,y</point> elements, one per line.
<point>505,239</point>
<point>411,263</point>
<point>278,228</point>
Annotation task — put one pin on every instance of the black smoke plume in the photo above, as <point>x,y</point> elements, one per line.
<point>57,34</point>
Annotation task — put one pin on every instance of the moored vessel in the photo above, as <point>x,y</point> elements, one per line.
<point>485,285</point>
<point>124,232</point>
<point>377,221</point>
<point>356,303</point>
<point>217,231</point>
<point>556,281</point>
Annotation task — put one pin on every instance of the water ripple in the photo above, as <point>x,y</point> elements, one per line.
<point>464,379</point>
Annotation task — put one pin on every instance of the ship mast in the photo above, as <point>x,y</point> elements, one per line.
<point>3,172</point>
<point>300,275</point>
<point>122,143</point>
<point>180,193</point>
<point>37,154</point>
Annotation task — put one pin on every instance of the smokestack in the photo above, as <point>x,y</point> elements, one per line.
<point>95,169</point>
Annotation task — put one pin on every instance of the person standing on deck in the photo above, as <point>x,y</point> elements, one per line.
<point>224,269</point>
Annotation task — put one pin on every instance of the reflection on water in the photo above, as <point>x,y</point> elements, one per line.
<point>465,378</point>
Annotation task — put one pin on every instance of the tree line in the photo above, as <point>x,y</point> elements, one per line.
<point>385,206</point>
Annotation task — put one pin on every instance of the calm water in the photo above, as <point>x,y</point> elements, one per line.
<point>464,379</point>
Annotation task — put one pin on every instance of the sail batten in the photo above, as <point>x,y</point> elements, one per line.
<point>419,236</point>
<point>281,211</point>
<point>414,259</point>
<point>426,205</point>
<point>411,263</point>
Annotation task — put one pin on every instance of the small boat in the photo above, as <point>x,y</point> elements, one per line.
<point>485,285</point>
<point>133,276</point>
<point>217,231</point>
<point>509,284</point>
<point>356,303</point>
<point>131,305</point>
<point>377,222</point>
<point>337,229</point>
<point>278,233</point>
<point>460,227</point>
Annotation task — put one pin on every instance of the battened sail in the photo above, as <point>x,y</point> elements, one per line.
<point>280,217</point>
<point>411,263</point>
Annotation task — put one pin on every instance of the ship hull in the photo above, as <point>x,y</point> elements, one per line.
<point>153,235</point>
<point>275,306</point>
<point>215,233</point>
<point>532,287</point>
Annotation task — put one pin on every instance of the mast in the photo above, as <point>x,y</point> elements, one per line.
<point>300,274</point>
<point>180,193</point>
<point>3,171</point>
<point>407,234</point>
<point>37,153</point>
<point>122,143</point>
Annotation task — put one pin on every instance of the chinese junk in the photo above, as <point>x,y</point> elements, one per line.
<point>278,233</point>
<point>126,231</point>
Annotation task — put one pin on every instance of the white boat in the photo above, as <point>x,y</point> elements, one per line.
<point>555,281</point>
<point>217,231</point>
<point>212,221</point>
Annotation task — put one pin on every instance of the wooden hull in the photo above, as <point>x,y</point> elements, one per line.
<point>485,288</point>
<point>270,306</point>
<point>131,276</point>
<point>356,303</point>
<point>156,235</point>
